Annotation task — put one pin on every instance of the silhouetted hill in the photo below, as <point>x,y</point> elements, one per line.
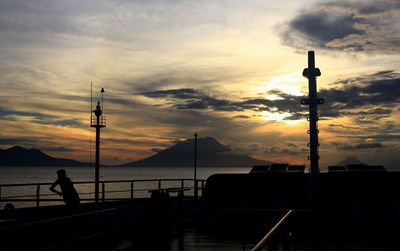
<point>349,160</point>
<point>19,156</point>
<point>210,153</point>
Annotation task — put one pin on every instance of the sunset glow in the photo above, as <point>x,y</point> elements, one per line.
<point>231,70</point>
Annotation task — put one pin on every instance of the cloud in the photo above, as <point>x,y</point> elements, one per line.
<point>257,149</point>
<point>343,126</point>
<point>366,7</point>
<point>285,151</point>
<point>62,122</point>
<point>185,93</point>
<point>241,117</point>
<point>377,92</point>
<point>40,118</point>
<point>191,99</point>
<point>368,26</point>
<point>56,149</point>
<point>21,141</point>
<point>376,136</point>
<point>326,27</point>
<point>361,146</point>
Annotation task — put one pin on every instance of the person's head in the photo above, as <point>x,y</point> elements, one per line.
<point>61,173</point>
<point>9,207</point>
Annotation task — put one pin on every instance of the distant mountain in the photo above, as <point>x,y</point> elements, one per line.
<point>349,160</point>
<point>210,153</point>
<point>19,156</point>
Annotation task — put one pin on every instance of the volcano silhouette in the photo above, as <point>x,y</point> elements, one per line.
<point>210,153</point>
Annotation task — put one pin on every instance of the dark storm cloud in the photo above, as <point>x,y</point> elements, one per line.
<point>326,27</point>
<point>369,26</point>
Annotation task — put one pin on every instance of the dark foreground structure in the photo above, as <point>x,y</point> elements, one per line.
<point>359,210</point>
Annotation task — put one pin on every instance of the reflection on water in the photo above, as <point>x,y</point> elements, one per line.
<point>23,175</point>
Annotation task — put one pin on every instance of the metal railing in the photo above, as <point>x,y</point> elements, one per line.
<point>264,240</point>
<point>130,191</point>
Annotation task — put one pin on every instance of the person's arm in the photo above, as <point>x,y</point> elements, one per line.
<point>52,188</point>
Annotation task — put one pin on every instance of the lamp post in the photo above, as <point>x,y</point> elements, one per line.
<point>97,121</point>
<point>196,194</point>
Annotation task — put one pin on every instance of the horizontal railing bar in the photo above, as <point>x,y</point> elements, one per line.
<point>103,181</point>
<point>21,196</point>
<point>34,195</point>
<point>264,240</point>
<point>8,198</point>
<point>34,200</point>
<point>147,180</point>
<point>117,191</point>
<point>52,194</point>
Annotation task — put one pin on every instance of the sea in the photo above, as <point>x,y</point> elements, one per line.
<point>34,175</point>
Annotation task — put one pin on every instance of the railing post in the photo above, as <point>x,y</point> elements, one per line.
<point>0,196</point>
<point>132,188</point>
<point>182,183</point>
<point>38,195</point>
<point>159,184</point>
<point>202,187</point>
<point>103,192</point>
<point>196,189</point>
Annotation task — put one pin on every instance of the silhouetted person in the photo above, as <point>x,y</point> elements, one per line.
<point>68,192</point>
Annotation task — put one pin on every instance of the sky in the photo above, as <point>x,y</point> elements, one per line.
<point>226,69</point>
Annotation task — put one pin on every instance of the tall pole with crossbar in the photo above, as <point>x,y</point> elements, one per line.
<point>313,101</point>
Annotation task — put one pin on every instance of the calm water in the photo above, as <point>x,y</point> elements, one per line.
<point>48,174</point>
<point>22,175</point>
